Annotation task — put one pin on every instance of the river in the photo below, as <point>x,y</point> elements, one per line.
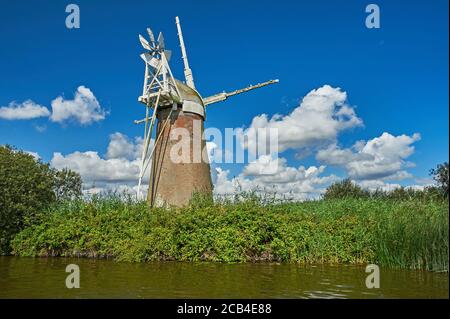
<point>45,278</point>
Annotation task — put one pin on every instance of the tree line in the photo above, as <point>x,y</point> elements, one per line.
<point>349,189</point>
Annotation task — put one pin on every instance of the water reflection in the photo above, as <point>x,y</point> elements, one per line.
<point>45,278</point>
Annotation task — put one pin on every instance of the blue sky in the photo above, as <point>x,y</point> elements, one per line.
<point>395,77</point>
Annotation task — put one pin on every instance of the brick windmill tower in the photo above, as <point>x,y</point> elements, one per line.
<point>178,159</point>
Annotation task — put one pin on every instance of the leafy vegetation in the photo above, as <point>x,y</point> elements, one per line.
<point>411,233</point>
<point>67,184</point>
<point>347,189</point>
<point>42,213</point>
<point>440,175</point>
<point>27,187</point>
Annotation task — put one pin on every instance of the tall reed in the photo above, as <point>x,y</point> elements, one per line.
<point>408,233</point>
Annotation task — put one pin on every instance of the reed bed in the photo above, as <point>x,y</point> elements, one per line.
<point>409,233</point>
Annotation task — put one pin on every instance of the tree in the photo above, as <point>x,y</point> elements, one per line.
<point>27,187</point>
<point>345,189</point>
<point>440,175</point>
<point>67,185</point>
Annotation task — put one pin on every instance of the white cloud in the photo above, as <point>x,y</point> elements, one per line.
<point>213,151</point>
<point>119,189</point>
<point>117,170</point>
<point>322,114</point>
<point>381,158</point>
<point>23,111</point>
<point>312,127</point>
<point>296,183</point>
<point>424,182</point>
<point>40,128</point>
<point>84,108</point>
<point>34,154</point>
<point>93,168</point>
<point>265,165</point>
<point>120,146</point>
<point>374,185</point>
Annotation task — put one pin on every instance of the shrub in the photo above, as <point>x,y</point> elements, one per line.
<point>407,233</point>
<point>67,184</point>
<point>440,175</point>
<point>345,189</point>
<point>28,187</point>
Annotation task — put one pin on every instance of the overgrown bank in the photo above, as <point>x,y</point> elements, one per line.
<point>395,233</point>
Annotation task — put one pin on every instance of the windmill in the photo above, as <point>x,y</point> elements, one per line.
<point>174,105</point>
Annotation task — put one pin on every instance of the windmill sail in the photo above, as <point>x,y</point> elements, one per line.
<point>187,70</point>
<point>224,95</point>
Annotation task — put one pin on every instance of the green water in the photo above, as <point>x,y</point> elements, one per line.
<point>45,278</point>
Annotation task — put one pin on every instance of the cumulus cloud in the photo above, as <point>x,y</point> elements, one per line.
<point>294,183</point>
<point>311,128</point>
<point>117,170</point>
<point>374,185</point>
<point>212,150</point>
<point>23,111</point>
<point>383,157</point>
<point>84,108</point>
<point>93,168</point>
<point>265,165</point>
<point>321,115</point>
<point>120,146</point>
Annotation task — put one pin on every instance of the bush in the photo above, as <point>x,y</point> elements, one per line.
<point>67,185</point>
<point>345,189</point>
<point>440,175</point>
<point>27,188</point>
<point>407,234</point>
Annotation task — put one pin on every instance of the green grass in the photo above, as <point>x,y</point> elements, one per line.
<point>395,233</point>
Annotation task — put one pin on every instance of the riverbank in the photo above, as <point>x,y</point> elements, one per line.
<point>410,234</point>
